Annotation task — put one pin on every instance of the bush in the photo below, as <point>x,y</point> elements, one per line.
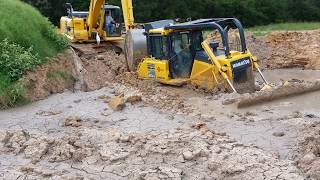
<point>16,60</point>
<point>11,94</point>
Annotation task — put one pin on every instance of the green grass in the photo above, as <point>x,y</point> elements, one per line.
<point>22,24</point>
<point>263,30</point>
<point>27,39</point>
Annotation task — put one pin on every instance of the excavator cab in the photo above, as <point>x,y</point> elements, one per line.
<point>115,28</point>
<point>208,53</point>
<point>77,28</point>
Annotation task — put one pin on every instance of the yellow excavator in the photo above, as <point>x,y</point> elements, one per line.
<point>91,26</point>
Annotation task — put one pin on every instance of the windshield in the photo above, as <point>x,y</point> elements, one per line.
<point>159,48</point>
<point>182,59</point>
<point>214,37</point>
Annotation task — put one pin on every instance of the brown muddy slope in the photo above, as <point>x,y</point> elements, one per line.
<point>54,77</point>
<point>287,49</point>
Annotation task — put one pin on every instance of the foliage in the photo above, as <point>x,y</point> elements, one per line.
<point>11,94</point>
<point>16,60</point>
<point>250,12</point>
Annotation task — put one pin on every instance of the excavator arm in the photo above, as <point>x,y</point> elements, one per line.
<point>127,10</point>
<point>95,11</point>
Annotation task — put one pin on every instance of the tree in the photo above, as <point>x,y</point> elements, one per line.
<point>250,12</point>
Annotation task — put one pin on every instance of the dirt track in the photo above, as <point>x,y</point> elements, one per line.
<point>173,133</point>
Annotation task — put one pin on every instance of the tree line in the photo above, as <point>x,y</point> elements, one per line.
<point>250,12</point>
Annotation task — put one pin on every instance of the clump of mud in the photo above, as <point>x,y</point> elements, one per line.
<point>308,155</point>
<point>100,65</point>
<point>103,68</point>
<point>166,98</point>
<point>54,77</point>
<point>191,153</point>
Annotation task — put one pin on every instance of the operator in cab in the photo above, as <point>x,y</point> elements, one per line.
<point>109,23</point>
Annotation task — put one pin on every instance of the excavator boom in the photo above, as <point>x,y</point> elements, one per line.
<point>94,12</point>
<point>95,9</point>
<point>128,16</point>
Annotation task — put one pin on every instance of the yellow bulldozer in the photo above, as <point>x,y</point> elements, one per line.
<point>196,52</point>
<point>207,53</point>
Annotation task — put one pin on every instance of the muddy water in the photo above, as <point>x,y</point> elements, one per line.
<point>287,74</point>
<point>260,125</point>
<point>47,116</point>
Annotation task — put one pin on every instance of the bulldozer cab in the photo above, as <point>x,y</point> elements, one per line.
<point>184,43</point>
<point>181,55</point>
<point>225,35</point>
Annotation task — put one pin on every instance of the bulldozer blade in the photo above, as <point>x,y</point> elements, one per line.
<point>285,91</point>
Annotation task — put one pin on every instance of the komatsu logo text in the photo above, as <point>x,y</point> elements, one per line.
<point>241,63</point>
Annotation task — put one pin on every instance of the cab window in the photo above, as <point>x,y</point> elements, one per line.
<point>159,48</point>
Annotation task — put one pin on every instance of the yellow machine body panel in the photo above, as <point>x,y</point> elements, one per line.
<point>158,70</point>
<point>151,68</point>
<point>207,75</point>
<point>203,75</point>
<point>74,29</point>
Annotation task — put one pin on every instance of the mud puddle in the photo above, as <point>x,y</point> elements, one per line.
<point>278,75</point>
<point>47,116</point>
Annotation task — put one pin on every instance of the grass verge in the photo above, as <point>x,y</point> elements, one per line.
<point>300,26</point>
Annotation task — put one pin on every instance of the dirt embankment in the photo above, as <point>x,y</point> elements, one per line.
<point>98,67</point>
<point>287,49</point>
<point>54,77</point>
<point>101,65</point>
